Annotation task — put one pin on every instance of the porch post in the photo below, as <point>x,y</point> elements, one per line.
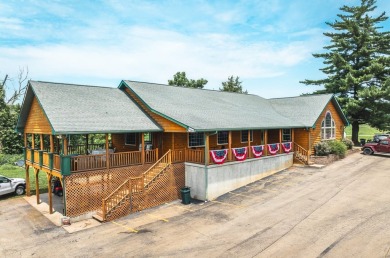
<point>36,172</point>
<point>51,143</point>
<point>309,149</point>
<point>206,150</point>
<point>142,148</point>
<point>280,141</point>
<point>32,141</point>
<point>230,146</point>
<point>292,135</point>
<point>65,145</point>
<point>86,144</point>
<point>107,153</point>
<point>49,186</point>
<point>249,144</point>
<point>265,142</point>
<point>41,141</point>
<point>173,141</point>
<point>28,192</point>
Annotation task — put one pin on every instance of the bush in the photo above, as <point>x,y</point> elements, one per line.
<point>338,148</point>
<point>348,143</point>
<point>322,148</point>
<point>8,167</point>
<point>10,158</point>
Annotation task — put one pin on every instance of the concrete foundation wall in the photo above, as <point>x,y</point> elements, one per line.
<point>216,180</point>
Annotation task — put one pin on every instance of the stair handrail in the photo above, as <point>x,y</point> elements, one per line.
<point>104,202</point>
<point>301,153</point>
<point>166,157</point>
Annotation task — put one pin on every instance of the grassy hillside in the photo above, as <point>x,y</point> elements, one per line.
<point>365,131</point>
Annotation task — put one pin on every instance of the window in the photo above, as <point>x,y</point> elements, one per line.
<point>130,138</point>
<point>244,136</point>
<point>223,137</point>
<point>286,135</point>
<point>328,127</point>
<point>195,139</point>
<point>148,138</point>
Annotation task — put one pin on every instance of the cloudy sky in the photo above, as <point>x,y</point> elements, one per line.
<point>267,43</point>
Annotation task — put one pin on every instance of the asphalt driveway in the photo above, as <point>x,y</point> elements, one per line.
<point>342,210</point>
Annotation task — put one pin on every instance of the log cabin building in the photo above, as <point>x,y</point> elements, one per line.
<point>160,138</point>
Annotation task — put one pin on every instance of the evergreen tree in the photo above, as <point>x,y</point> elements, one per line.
<point>357,66</point>
<point>180,79</point>
<point>233,85</point>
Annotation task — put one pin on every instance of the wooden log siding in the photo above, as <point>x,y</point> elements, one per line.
<point>36,120</point>
<point>167,125</point>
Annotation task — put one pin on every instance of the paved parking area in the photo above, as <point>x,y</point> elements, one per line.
<point>342,210</point>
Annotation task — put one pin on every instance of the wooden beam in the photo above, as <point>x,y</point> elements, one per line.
<point>32,141</point>
<point>230,146</point>
<point>49,177</point>
<point>292,135</point>
<point>51,143</point>
<point>36,172</point>
<point>108,152</point>
<point>142,148</point>
<point>66,145</point>
<point>25,140</point>
<point>86,144</point>
<point>207,149</point>
<point>28,191</point>
<point>265,142</point>
<point>41,141</point>
<point>173,141</point>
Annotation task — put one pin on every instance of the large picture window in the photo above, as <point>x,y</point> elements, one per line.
<point>195,139</point>
<point>130,138</point>
<point>328,127</point>
<point>286,135</point>
<point>244,136</point>
<point>223,137</point>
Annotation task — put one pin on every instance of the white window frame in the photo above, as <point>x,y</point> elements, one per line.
<point>330,126</point>
<point>194,146</point>
<point>286,134</point>
<point>251,132</point>
<point>227,138</point>
<point>135,139</point>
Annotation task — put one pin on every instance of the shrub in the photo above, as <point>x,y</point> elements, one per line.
<point>338,148</point>
<point>348,143</point>
<point>8,167</point>
<point>322,148</point>
<point>10,158</point>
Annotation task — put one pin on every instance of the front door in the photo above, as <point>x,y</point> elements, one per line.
<point>5,185</point>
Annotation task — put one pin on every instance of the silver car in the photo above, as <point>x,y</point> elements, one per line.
<point>12,185</point>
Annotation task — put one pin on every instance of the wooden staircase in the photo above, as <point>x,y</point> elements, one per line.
<point>131,186</point>
<point>301,154</point>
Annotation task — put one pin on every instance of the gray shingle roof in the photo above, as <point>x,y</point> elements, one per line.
<point>305,109</point>
<point>206,110</point>
<point>86,109</point>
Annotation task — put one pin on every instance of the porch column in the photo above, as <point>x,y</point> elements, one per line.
<point>230,146</point>
<point>206,150</point>
<point>36,172</point>
<point>26,167</point>
<point>280,141</point>
<point>292,135</point>
<point>32,141</point>
<point>265,142</point>
<point>41,141</point>
<point>249,144</point>
<point>86,144</point>
<point>49,186</point>
<point>108,152</point>
<point>142,148</point>
<point>65,145</point>
<point>309,149</point>
<point>173,141</point>
<point>51,143</point>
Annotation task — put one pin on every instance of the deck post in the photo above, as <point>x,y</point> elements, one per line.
<point>41,141</point>
<point>49,177</point>
<point>206,150</point>
<point>142,148</point>
<point>309,149</point>
<point>65,145</point>
<point>51,143</point>
<point>28,192</point>
<point>36,172</point>
<point>230,146</point>
<point>107,153</point>
<point>86,144</point>
<point>249,143</point>
<point>32,141</point>
<point>265,142</point>
<point>280,141</point>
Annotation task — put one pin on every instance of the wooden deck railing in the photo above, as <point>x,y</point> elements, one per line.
<point>151,156</point>
<point>28,154</point>
<point>88,162</point>
<point>36,157</point>
<point>80,149</point>
<point>46,159</point>
<point>57,162</point>
<point>122,159</point>
<point>178,156</point>
<point>194,156</point>
<point>301,154</point>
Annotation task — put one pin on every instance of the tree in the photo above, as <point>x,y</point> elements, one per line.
<point>232,85</point>
<point>10,141</point>
<point>180,79</point>
<point>357,65</point>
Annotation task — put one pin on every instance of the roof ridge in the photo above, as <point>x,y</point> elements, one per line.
<point>166,85</point>
<point>73,84</point>
<point>311,95</point>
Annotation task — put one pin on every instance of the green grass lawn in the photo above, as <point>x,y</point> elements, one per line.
<point>365,131</point>
<point>15,171</point>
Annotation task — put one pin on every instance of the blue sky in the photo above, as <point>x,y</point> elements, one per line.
<point>267,43</point>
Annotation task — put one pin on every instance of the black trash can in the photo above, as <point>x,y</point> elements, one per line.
<point>185,195</point>
<point>362,141</point>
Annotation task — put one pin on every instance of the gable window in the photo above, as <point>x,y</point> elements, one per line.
<point>195,139</point>
<point>130,138</point>
<point>223,137</point>
<point>244,136</point>
<point>286,135</point>
<point>328,127</point>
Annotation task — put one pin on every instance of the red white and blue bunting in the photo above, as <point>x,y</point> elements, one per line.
<point>218,156</point>
<point>240,153</point>
<point>273,148</point>
<point>287,146</point>
<point>257,150</point>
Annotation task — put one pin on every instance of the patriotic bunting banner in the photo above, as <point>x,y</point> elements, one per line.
<point>273,148</point>
<point>257,150</point>
<point>218,156</point>
<point>286,146</point>
<point>239,153</point>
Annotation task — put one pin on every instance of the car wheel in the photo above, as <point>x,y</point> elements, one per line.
<point>367,151</point>
<point>19,190</point>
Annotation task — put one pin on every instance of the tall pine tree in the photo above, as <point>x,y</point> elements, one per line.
<point>357,65</point>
